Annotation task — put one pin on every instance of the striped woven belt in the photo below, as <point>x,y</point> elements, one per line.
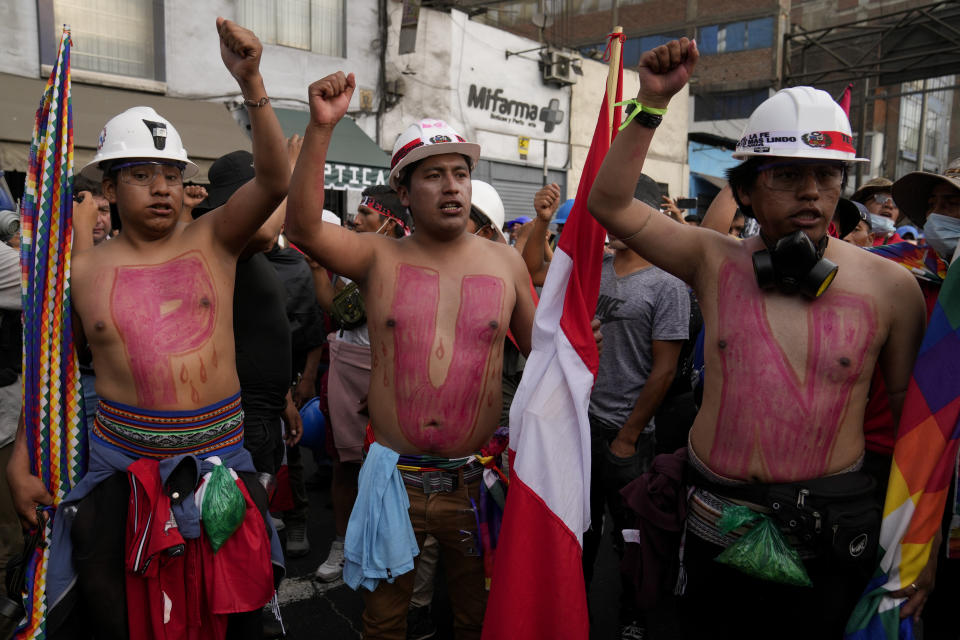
<point>427,474</point>
<point>162,434</point>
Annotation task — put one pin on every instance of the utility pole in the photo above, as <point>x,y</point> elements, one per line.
<point>922,143</point>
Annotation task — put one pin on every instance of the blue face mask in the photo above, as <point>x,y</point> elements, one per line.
<point>942,233</point>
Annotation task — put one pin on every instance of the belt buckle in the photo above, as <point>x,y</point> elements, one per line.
<point>438,482</point>
<point>432,481</point>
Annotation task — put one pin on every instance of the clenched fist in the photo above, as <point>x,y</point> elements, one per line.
<point>547,201</point>
<point>330,97</point>
<point>665,70</point>
<point>240,50</point>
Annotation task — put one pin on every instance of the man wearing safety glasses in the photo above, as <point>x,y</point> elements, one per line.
<point>795,323</point>
<point>155,306</point>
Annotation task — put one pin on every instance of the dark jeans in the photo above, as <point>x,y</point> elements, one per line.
<point>263,438</point>
<point>298,488</point>
<point>609,474</point>
<point>721,602</point>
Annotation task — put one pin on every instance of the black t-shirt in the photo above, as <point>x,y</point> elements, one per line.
<point>307,328</point>
<point>262,336</point>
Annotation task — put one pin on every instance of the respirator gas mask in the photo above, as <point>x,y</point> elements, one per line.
<point>794,264</point>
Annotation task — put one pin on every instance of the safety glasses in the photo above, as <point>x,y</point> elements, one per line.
<point>142,174</point>
<point>792,176</point>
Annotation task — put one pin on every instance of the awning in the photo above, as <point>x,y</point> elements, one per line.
<point>354,161</point>
<point>719,183</point>
<point>207,128</point>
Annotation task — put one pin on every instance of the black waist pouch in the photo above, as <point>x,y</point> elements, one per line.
<point>839,515</point>
<point>836,516</point>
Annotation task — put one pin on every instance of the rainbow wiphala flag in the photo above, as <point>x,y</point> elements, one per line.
<point>52,397</point>
<point>924,458</point>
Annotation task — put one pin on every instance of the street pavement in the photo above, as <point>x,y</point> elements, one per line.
<point>312,609</point>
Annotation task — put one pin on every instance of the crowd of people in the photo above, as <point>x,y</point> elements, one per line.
<point>758,356</point>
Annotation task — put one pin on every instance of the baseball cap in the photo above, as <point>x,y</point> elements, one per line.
<point>227,174</point>
<point>848,215</point>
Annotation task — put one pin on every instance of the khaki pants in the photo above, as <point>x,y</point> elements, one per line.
<point>448,517</point>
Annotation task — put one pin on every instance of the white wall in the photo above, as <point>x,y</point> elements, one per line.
<point>192,54</point>
<point>19,42</point>
<point>194,68</point>
<point>452,53</point>
<point>667,159</point>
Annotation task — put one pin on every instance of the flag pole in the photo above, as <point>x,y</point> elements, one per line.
<point>613,75</point>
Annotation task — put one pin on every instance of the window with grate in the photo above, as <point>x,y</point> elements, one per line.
<point>312,25</point>
<point>735,36</point>
<point>117,37</point>
<point>728,105</point>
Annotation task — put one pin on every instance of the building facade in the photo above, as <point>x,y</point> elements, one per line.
<point>751,48</point>
<point>165,54</point>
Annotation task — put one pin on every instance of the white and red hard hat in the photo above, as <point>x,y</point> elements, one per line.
<point>798,122</point>
<point>428,137</point>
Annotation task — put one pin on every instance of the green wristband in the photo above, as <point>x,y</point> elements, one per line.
<point>639,108</point>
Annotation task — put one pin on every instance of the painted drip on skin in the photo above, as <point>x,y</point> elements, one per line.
<point>793,424</point>
<point>162,311</point>
<point>442,417</point>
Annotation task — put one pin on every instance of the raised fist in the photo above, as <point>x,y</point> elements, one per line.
<point>547,201</point>
<point>330,97</point>
<point>665,70</point>
<point>240,50</point>
<point>193,195</point>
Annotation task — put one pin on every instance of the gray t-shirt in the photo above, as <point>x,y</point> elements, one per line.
<point>634,310</point>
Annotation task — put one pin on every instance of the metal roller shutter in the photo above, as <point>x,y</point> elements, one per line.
<point>516,184</point>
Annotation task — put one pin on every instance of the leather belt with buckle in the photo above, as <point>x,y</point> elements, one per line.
<point>441,481</point>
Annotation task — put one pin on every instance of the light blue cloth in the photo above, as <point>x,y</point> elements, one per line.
<point>380,543</point>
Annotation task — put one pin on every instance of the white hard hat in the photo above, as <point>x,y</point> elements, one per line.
<point>138,132</point>
<point>487,201</point>
<point>799,122</point>
<point>331,217</point>
<point>428,137</point>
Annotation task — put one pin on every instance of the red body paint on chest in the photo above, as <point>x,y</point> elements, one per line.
<point>764,403</point>
<point>162,311</point>
<point>442,417</point>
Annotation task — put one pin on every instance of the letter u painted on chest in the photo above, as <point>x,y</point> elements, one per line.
<point>764,403</point>
<point>430,416</point>
<point>162,311</point>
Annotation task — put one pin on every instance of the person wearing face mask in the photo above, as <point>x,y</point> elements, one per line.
<point>932,201</point>
<point>877,197</point>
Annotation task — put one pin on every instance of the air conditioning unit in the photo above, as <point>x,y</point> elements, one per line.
<point>560,67</point>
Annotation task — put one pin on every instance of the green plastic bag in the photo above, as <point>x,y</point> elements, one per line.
<point>761,552</point>
<point>223,506</point>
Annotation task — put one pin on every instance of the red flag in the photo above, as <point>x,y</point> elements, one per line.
<point>537,589</point>
<point>844,100</point>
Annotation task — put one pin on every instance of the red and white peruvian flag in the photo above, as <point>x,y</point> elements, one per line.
<point>537,590</point>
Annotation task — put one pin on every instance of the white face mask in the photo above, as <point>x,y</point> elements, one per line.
<point>881,225</point>
<point>385,223</point>
<point>942,233</point>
